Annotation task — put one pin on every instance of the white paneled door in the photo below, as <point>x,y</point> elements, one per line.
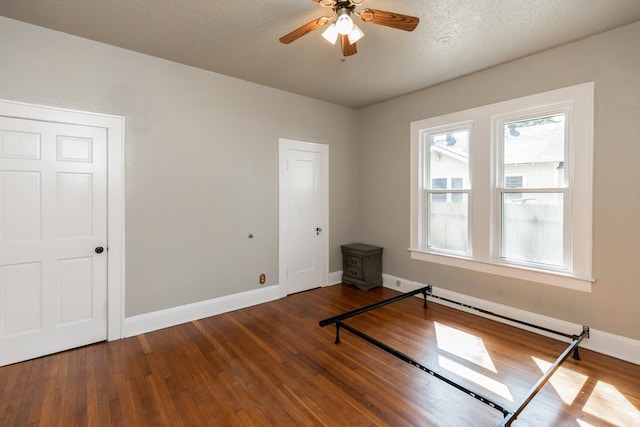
<point>53,235</point>
<point>303,216</point>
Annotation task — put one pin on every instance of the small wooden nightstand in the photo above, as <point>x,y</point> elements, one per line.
<point>362,266</point>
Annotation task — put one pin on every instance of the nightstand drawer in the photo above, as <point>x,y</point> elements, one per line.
<point>353,262</point>
<point>353,272</point>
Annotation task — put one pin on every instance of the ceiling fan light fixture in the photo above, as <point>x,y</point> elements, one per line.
<point>344,23</point>
<point>355,34</point>
<point>331,34</point>
<point>339,24</point>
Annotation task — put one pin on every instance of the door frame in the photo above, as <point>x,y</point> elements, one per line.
<point>284,145</point>
<point>115,127</point>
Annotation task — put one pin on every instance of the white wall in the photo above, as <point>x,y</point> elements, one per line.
<point>201,160</point>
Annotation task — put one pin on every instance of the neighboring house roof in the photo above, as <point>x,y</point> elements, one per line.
<point>462,156</point>
<point>535,144</point>
<point>541,143</point>
<point>455,145</point>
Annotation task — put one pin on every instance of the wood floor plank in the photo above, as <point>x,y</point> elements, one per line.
<point>34,390</point>
<point>29,393</point>
<point>272,365</point>
<point>13,390</point>
<point>97,393</point>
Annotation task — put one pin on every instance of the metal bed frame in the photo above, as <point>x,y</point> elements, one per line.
<point>509,414</point>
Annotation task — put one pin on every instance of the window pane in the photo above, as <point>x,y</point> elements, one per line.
<point>449,224</point>
<point>532,228</point>
<point>535,148</point>
<point>439,184</point>
<point>514,181</point>
<point>456,183</point>
<point>449,157</point>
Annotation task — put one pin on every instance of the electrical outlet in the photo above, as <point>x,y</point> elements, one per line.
<point>263,278</point>
<point>398,283</point>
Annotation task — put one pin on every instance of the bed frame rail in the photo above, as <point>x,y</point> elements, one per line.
<point>509,415</point>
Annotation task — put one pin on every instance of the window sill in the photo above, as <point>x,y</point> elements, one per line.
<point>551,278</point>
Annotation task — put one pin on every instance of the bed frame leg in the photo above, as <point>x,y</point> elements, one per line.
<point>576,352</point>
<point>337,341</point>
<point>424,295</point>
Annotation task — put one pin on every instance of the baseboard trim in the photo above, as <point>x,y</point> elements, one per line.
<point>161,319</point>
<point>335,278</point>
<point>617,346</point>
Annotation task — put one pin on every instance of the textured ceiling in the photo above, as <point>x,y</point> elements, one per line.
<point>239,38</point>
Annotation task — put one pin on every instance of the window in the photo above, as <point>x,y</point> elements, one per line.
<point>532,222</point>
<point>446,158</point>
<point>507,188</point>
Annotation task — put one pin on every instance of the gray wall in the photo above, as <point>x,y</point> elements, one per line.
<point>612,60</point>
<point>201,167</point>
<point>201,160</point>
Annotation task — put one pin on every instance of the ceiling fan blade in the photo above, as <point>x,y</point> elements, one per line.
<point>348,49</point>
<point>390,19</point>
<point>305,29</point>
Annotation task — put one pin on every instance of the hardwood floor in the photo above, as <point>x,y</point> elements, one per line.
<point>272,365</point>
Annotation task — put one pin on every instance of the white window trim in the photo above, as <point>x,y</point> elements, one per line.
<point>482,203</point>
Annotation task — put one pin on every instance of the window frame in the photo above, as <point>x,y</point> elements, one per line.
<point>483,187</point>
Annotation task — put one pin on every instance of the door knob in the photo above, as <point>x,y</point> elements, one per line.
<point>99,249</point>
<point>318,230</point>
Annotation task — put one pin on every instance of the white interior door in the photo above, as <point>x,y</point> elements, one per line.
<point>303,215</point>
<point>53,218</point>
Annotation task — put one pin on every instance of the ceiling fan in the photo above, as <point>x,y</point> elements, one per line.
<point>340,24</point>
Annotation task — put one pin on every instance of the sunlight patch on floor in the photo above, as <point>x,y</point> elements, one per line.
<point>566,383</point>
<point>608,403</point>
<point>464,345</point>
<point>584,423</point>
<point>487,383</point>
<point>605,401</point>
